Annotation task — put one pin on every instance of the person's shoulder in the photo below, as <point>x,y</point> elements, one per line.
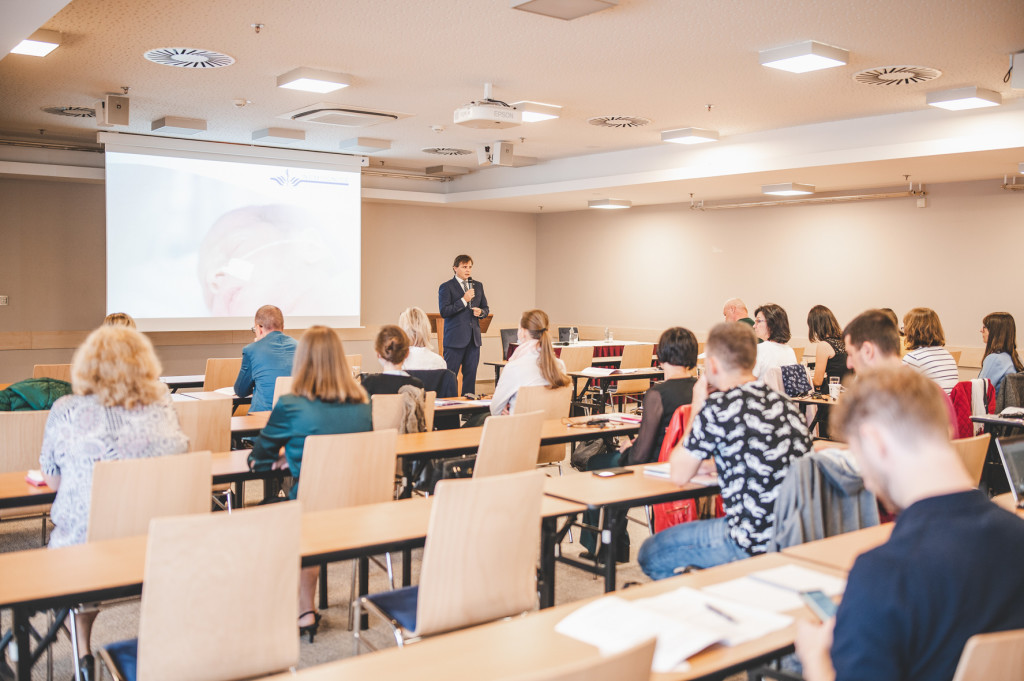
<point>412,380</point>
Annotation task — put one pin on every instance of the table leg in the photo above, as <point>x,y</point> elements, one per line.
<point>547,562</point>
<point>611,529</point>
<point>364,588</point>
<point>406,567</point>
<point>22,640</point>
<point>323,586</point>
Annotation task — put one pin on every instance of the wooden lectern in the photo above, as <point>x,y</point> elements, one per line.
<point>437,326</point>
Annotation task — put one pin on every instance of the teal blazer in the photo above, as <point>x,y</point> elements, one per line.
<point>296,417</point>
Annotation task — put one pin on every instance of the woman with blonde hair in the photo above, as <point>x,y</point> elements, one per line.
<point>119,410</point>
<point>925,351</point>
<point>999,333</point>
<point>533,363</point>
<point>325,400</point>
<point>416,325</point>
<point>119,319</point>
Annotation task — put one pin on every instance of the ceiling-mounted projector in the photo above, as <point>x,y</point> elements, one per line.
<point>488,113</point>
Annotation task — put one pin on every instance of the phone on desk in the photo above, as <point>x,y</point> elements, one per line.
<point>612,472</point>
<point>820,604</point>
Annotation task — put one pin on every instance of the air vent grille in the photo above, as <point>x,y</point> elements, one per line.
<point>896,75</point>
<point>446,151</point>
<point>71,111</point>
<point>189,58</point>
<point>619,121</point>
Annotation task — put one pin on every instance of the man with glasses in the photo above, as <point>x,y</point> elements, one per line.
<point>263,360</point>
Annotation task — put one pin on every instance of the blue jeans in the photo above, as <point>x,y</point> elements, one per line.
<point>701,543</point>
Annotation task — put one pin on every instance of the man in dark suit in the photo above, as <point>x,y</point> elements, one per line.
<point>462,302</point>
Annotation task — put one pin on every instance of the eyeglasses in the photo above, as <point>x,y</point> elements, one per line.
<point>253,329</point>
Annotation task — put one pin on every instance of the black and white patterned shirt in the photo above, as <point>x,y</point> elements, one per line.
<point>752,432</point>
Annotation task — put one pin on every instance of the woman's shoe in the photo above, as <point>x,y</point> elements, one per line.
<point>310,629</point>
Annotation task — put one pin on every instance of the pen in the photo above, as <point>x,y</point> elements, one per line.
<point>720,613</point>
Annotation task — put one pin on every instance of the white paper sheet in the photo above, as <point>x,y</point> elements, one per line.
<point>777,589</point>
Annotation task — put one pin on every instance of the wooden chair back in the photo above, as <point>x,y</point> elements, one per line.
<point>972,451</point>
<point>219,596</point>
<point>632,664</point>
<point>352,469</point>
<point>61,372</point>
<point>509,444</point>
<point>127,494</point>
<point>282,386</point>
<point>997,656</point>
<point>430,397</point>
<point>386,411</point>
<point>799,352</point>
<point>635,357</point>
<point>577,357</point>
<point>355,363</point>
<point>554,404</point>
<point>207,423</point>
<point>956,355</point>
<point>221,372</point>
<point>480,559</point>
<point>21,439</point>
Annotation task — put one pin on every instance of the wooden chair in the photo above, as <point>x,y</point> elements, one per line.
<point>633,357</point>
<point>997,656</point>
<point>219,598</point>
<point>355,363</point>
<point>633,664</point>
<point>21,441</point>
<point>61,372</point>
<point>972,451</point>
<point>555,405</point>
<point>799,352</point>
<point>577,357</point>
<point>221,373</point>
<point>429,400</point>
<point>479,562</point>
<point>386,411</point>
<point>956,355</point>
<point>282,386</point>
<point>509,444</point>
<point>207,423</point>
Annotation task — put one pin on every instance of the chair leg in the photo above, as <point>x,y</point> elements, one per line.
<point>75,656</point>
<point>352,598</point>
<point>355,613</point>
<point>649,512</point>
<point>229,497</point>
<point>391,572</point>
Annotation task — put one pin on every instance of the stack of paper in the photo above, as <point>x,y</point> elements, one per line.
<point>777,589</point>
<point>601,372</point>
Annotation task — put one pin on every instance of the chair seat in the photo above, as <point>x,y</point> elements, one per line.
<point>399,605</point>
<point>124,655</point>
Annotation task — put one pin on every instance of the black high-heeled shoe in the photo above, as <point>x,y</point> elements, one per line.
<point>310,629</point>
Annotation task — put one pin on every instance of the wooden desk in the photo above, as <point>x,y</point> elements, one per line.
<point>841,550</point>
<point>176,383</point>
<point>605,381</point>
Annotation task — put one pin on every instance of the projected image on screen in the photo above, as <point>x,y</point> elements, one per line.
<point>199,243</point>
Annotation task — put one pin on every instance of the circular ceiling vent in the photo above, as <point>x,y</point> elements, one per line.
<point>896,75</point>
<point>189,58</point>
<point>71,111</point>
<point>619,121</point>
<point>446,151</point>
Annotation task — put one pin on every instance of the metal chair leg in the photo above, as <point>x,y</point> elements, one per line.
<point>352,598</point>
<point>75,656</point>
<point>649,512</point>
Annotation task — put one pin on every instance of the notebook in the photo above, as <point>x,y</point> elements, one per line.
<point>1011,451</point>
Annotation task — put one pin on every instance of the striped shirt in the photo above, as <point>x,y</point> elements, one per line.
<point>936,363</point>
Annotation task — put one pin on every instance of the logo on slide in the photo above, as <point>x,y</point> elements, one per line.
<point>287,180</point>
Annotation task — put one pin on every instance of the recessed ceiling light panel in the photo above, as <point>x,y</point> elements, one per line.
<point>189,58</point>
<point>609,204</point>
<point>689,136</point>
<point>787,189</point>
<point>313,80</point>
<point>563,9</point>
<point>365,145</point>
<point>176,125</point>
<point>279,136</point>
<point>39,44</point>
<point>964,98</point>
<point>809,55</point>
<point>534,112</point>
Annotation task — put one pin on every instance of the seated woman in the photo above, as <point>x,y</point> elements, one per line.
<point>392,347</point>
<point>325,400</point>
<point>119,319</point>
<point>999,333</point>
<point>533,363</point>
<point>771,325</point>
<point>119,410</point>
<point>829,351</point>
<point>925,351</point>
<point>416,325</point>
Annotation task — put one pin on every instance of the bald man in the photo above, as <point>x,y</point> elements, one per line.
<point>735,310</point>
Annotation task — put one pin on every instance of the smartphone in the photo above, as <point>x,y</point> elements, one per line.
<point>612,472</point>
<point>820,604</point>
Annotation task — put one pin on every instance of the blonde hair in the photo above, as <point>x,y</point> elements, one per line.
<point>416,325</point>
<point>119,319</point>
<point>535,323</point>
<point>118,365</point>
<point>320,370</point>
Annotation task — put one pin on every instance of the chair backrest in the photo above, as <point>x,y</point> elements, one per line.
<point>956,355</point>
<point>972,452</point>
<point>509,444</point>
<point>62,372</point>
<point>127,494</point>
<point>429,398</point>
<point>508,337</point>
<point>577,357</point>
<point>219,595</point>
<point>221,372</point>
<point>21,439</point>
<point>635,357</point>
<point>480,559</point>
<point>554,404</point>
<point>632,664</point>
<point>997,656</point>
<point>355,363</point>
<point>351,469</point>
<point>772,378</point>
<point>799,352</point>
<point>207,423</point>
<point>386,411</point>
<point>282,386</point>
<point>1011,392</point>
<point>441,381</point>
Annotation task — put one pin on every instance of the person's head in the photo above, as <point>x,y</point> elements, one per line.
<point>872,340</point>
<point>678,347</point>
<point>771,323</point>
<point>730,352</point>
<point>999,333</point>
<point>320,370</point>
<point>533,325</point>
<point>416,325</point>
<point>268,318</point>
<point>117,364</point>
<point>391,345</point>
<point>119,319</point>
<point>923,329</point>
<point>822,324</point>
<point>891,314</point>
<point>734,310</point>
<point>896,422</point>
<point>463,266</point>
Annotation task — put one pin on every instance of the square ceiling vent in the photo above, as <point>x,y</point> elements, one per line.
<point>342,115</point>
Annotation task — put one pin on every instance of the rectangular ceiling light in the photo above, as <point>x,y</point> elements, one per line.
<point>176,125</point>
<point>39,44</point>
<point>535,111</point>
<point>689,136</point>
<point>609,204</point>
<point>809,55</point>
<point>279,136</point>
<point>563,9</point>
<point>313,80</point>
<point>365,145</point>
<point>964,98</point>
<point>787,189</point>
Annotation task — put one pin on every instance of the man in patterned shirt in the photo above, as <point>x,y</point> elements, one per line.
<point>751,433</point>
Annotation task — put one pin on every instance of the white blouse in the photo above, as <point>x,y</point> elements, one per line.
<point>523,369</point>
<point>423,359</point>
<point>771,354</point>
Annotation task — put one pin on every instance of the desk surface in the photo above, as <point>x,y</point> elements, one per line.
<point>635,489</point>
<point>841,550</point>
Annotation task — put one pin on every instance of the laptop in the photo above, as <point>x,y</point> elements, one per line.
<point>1011,451</point>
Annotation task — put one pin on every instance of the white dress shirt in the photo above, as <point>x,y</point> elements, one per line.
<point>523,369</point>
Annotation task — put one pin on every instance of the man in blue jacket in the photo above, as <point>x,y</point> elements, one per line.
<point>265,359</point>
<point>462,303</point>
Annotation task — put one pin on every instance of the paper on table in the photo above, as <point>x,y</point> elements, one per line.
<point>663,470</point>
<point>226,391</point>
<point>777,589</point>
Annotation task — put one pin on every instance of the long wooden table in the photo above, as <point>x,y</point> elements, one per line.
<point>605,381</point>
<point>842,550</point>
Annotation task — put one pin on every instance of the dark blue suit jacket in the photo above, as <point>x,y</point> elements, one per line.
<point>461,328</point>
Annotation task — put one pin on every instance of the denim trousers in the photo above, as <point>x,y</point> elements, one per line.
<point>701,543</point>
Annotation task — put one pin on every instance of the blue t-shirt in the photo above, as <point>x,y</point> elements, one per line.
<point>951,569</point>
<point>995,367</point>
